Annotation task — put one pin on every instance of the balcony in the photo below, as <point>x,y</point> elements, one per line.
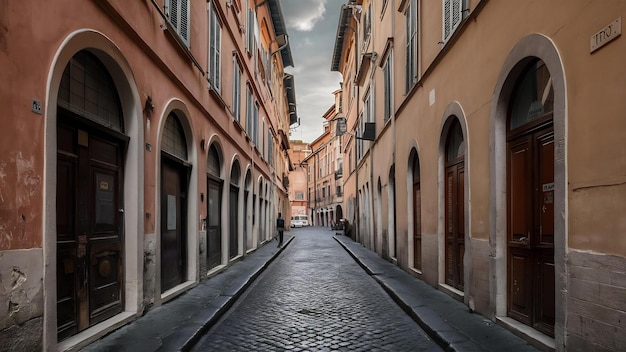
<point>338,174</point>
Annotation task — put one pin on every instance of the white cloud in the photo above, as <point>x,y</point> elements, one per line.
<point>312,52</point>
<point>305,15</point>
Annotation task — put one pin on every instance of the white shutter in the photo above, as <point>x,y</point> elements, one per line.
<point>183,29</point>
<point>250,31</point>
<point>452,16</point>
<point>447,25</point>
<point>456,13</point>
<point>173,13</point>
<point>218,54</point>
<point>215,35</point>
<point>177,12</point>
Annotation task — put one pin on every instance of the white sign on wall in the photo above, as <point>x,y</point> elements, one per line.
<point>606,35</point>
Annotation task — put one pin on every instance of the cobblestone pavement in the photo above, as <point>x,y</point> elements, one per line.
<point>314,297</point>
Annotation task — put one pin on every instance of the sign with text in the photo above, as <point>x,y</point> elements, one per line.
<point>606,35</point>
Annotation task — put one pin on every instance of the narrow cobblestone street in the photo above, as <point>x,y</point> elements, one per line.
<point>315,297</point>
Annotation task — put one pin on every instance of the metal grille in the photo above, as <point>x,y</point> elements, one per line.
<point>88,90</point>
<point>213,162</point>
<point>235,174</point>
<point>174,138</point>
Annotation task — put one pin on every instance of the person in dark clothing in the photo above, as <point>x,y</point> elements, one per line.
<point>280,226</point>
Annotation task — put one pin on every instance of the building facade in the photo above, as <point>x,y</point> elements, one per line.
<point>144,150</point>
<point>298,195</point>
<point>495,174</point>
<point>325,172</point>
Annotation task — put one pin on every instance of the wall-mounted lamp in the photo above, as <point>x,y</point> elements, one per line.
<point>203,144</point>
<point>148,109</point>
<point>369,133</point>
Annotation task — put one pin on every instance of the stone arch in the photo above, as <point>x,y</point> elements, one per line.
<point>391,213</point>
<point>413,214</point>
<point>122,75</point>
<point>179,109</point>
<point>452,114</point>
<point>541,47</point>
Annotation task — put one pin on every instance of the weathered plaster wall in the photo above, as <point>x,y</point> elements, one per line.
<point>21,299</point>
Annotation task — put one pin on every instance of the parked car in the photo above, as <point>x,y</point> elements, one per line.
<point>299,220</point>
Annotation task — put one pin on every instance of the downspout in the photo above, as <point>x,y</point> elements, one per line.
<point>356,159</point>
<point>393,127</point>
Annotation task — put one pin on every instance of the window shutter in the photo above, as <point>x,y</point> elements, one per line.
<point>183,30</point>
<point>211,46</point>
<point>250,32</point>
<point>173,12</point>
<point>447,25</point>
<point>177,12</point>
<point>218,54</point>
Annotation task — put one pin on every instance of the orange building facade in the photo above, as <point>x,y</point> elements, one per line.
<point>298,194</point>
<point>144,149</point>
<point>325,171</point>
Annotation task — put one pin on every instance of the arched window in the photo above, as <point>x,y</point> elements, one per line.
<point>534,96</point>
<point>174,138</point>
<point>88,90</point>
<point>213,162</point>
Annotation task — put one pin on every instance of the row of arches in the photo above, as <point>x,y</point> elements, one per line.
<point>527,195</point>
<point>111,246</point>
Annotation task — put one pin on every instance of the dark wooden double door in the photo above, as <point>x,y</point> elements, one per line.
<point>89,226</point>
<point>174,176</point>
<point>531,281</point>
<point>214,219</point>
<point>455,224</point>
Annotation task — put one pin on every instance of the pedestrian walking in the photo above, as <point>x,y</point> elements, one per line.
<point>280,227</point>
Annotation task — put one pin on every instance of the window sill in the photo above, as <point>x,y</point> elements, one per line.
<point>217,95</point>
<point>181,45</point>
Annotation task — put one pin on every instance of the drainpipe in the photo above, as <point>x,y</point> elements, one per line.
<point>393,131</point>
<point>357,209</point>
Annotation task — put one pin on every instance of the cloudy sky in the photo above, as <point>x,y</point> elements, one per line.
<point>312,27</point>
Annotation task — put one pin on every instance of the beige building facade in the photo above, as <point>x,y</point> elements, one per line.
<point>496,173</point>
<point>325,172</point>
<point>298,194</point>
<point>144,150</point>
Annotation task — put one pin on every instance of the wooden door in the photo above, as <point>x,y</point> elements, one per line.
<point>455,225</point>
<point>246,236</point>
<point>234,221</point>
<point>531,229</point>
<point>417,224</point>
<point>89,227</point>
<point>173,221</point>
<point>214,232</point>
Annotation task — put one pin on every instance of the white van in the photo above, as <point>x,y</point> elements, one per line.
<point>299,220</point>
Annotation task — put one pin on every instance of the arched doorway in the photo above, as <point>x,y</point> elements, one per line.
<point>416,205</point>
<point>247,228</point>
<point>338,214</point>
<point>530,203</point>
<point>454,194</point>
<point>393,242</point>
<point>174,189</point>
<point>235,179</point>
<point>214,207</point>
<point>91,150</point>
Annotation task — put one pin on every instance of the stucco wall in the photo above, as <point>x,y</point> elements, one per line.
<point>21,299</point>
